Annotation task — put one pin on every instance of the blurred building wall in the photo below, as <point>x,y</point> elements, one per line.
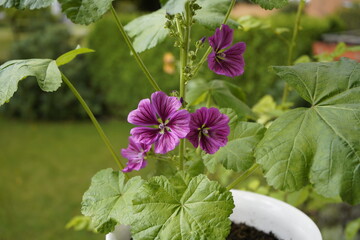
<point>322,8</point>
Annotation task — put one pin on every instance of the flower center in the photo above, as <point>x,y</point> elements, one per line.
<point>205,131</point>
<point>221,55</point>
<point>162,126</point>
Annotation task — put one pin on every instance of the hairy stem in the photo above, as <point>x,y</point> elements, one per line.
<point>243,176</point>
<point>94,121</point>
<point>292,45</point>
<point>135,54</point>
<point>208,51</point>
<point>184,59</point>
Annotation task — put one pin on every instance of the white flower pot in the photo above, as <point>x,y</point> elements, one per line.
<point>262,212</point>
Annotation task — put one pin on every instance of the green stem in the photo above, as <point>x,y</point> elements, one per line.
<point>243,176</point>
<point>135,54</point>
<point>94,121</point>
<point>292,45</point>
<point>208,51</point>
<point>184,58</point>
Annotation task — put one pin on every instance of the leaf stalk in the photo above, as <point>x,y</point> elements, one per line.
<point>135,54</point>
<point>292,45</point>
<point>243,176</point>
<point>94,121</point>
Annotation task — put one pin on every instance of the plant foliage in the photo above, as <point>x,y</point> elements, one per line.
<point>44,70</point>
<point>23,4</point>
<point>148,30</point>
<point>108,200</point>
<point>85,12</point>
<point>270,4</point>
<point>182,207</point>
<point>238,154</point>
<point>320,144</point>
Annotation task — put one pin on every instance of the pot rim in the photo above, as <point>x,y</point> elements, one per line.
<point>273,215</point>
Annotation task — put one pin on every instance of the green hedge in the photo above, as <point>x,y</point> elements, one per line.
<point>123,84</point>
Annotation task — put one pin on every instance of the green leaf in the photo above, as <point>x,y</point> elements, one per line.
<point>181,208</point>
<point>108,200</point>
<point>148,30</point>
<point>248,23</point>
<point>194,163</point>
<point>69,56</point>
<point>44,70</point>
<point>320,144</point>
<point>352,229</point>
<point>238,154</point>
<point>85,11</point>
<point>212,13</point>
<point>175,6</point>
<point>223,94</point>
<point>267,110</point>
<point>79,223</point>
<point>26,4</point>
<point>270,4</point>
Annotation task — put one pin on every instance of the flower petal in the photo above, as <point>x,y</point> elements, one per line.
<point>179,123</point>
<point>215,123</point>
<point>198,118</point>
<point>145,135</point>
<point>164,105</point>
<point>232,64</point>
<point>193,137</point>
<point>209,145</point>
<point>166,142</point>
<point>215,118</point>
<point>134,166</point>
<point>222,38</point>
<point>135,153</point>
<point>144,115</point>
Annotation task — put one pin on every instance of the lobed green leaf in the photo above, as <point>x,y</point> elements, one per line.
<point>12,72</point>
<point>321,144</point>
<point>148,30</point>
<point>85,11</point>
<point>26,4</point>
<point>108,200</point>
<point>270,4</point>
<point>181,207</point>
<point>222,93</point>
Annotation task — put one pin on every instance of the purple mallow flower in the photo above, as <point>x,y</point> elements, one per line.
<point>169,124</point>
<point>209,128</point>
<point>228,62</point>
<point>135,153</point>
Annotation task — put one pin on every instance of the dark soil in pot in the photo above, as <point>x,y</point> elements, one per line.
<point>242,231</point>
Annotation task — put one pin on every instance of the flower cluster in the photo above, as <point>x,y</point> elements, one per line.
<point>162,123</point>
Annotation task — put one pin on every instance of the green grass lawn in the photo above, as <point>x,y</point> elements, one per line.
<point>44,170</point>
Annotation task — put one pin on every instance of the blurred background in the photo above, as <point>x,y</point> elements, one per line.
<point>49,150</point>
